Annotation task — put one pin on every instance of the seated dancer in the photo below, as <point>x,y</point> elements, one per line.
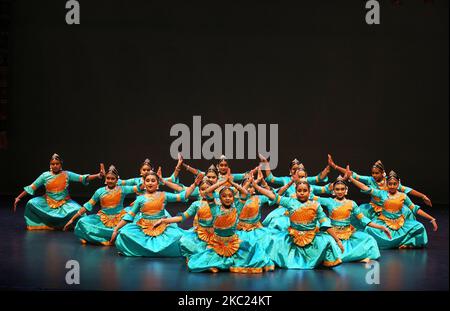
<point>139,182</point>
<point>202,231</point>
<point>303,245</point>
<point>143,238</point>
<point>378,181</point>
<point>52,210</point>
<point>249,226</point>
<point>278,219</point>
<point>406,233</point>
<point>358,245</point>
<point>98,228</point>
<point>225,251</point>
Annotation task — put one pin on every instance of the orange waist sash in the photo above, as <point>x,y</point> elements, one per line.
<point>147,226</point>
<point>344,232</point>
<point>225,246</point>
<point>204,233</point>
<point>110,220</point>
<point>393,224</point>
<point>55,203</point>
<point>302,237</point>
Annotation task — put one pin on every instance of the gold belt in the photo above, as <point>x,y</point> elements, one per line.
<point>302,237</point>
<point>344,232</point>
<point>225,246</point>
<point>394,224</point>
<point>110,220</point>
<point>147,226</point>
<point>55,203</point>
<point>204,233</point>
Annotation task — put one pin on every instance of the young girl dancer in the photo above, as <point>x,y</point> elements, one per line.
<point>202,231</point>
<point>406,233</point>
<point>358,245</point>
<point>277,219</point>
<point>302,245</point>
<point>98,228</point>
<point>249,226</point>
<point>143,238</point>
<point>225,250</point>
<point>52,210</point>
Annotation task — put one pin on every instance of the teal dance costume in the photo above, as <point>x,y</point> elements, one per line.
<point>142,238</point>
<point>358,245</point>
<point>98,228</point>
<point>406,233</point>
<point>303,245</point>
<point>52,210</point>
<point>226,251</point>
<point>202,231</point>
<point>250,227</point>
<point>278,219</point>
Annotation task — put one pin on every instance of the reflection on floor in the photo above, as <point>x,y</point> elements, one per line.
<point>37,260</point>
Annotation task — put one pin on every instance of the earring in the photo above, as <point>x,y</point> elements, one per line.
<point>346,191</point>
<point>332,192</point>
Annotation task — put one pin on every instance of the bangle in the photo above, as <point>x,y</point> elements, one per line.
<point>434,219</point>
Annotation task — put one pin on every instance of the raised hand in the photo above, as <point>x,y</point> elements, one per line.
<point>260,175</point>
<point>159,173</point>
<point>331,162</point>
<point>229,177</point>
<point>199,179</point>
<point>180,160</point>
<point>348,172</point>
<point>102,170</point>
<point>262,158</point>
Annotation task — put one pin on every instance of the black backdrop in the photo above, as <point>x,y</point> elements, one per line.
<point>110,88</point>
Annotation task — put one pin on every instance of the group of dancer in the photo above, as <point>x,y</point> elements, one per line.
<point>311,225</point>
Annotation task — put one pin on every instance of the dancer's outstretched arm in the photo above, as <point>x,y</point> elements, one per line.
<point>18,198</point>
<point>99,175</point>
<point>264,191</point>
<point>335,166</point>
<point>283,189</point>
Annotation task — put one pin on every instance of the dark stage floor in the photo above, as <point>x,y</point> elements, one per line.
<point>36,260</point>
